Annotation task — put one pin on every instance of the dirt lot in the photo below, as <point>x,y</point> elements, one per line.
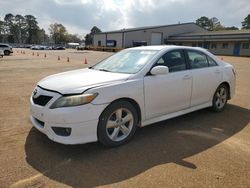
<point>201,149</point>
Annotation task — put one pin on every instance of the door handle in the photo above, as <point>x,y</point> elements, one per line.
<point>186,77</point>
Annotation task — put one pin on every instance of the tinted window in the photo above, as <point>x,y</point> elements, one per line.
<point>211,62</point>
<point>245,45</point>
<point>174,60</point>
<point>197,60</point>
<point>214,46</point>
<point>225,45</point>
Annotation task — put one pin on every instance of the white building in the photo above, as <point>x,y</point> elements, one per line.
<point>156,35</point>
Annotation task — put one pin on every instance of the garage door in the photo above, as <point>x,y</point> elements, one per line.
<point>156,38</point>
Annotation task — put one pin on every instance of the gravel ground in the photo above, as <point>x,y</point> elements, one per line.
<point>200,149</point>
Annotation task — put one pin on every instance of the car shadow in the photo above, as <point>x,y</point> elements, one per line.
<point>169,141</point>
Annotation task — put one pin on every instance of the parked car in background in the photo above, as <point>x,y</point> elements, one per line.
<point>60,48</point>
<point>134,87</point>
<point>81,47</point>
<point>1,53</point>
<point>7,49</point>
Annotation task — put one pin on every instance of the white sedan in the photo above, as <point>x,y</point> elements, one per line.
<point>135,87</point>
<point>1,53</point>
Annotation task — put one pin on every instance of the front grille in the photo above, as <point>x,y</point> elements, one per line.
<point>42,100</point>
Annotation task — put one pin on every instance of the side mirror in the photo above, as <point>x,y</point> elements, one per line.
<point>159,70</point>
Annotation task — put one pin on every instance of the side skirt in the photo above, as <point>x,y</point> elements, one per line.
<point>175,114</point>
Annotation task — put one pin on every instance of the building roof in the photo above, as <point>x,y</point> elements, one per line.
<point>147,27</point>
<point>215,33</point>
<point>226,35</point>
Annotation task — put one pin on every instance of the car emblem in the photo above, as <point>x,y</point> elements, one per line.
<point>34,92</point>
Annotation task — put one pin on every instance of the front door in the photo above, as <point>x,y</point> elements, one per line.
<point>170,92</point>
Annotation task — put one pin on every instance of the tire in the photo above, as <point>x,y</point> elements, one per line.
<point>220,98</point>
<point>117,124</point>
<point>6,52</point>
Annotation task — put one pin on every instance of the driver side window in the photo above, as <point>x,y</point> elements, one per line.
<point>174,60</point>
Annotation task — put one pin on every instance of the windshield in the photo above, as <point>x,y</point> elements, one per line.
<point>127,61</point>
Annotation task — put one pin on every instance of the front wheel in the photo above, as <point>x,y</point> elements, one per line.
<point>220,98</point>
<point>6,52</point>
<point>117,124</point>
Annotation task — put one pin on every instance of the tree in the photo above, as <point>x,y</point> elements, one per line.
<point>89,37</point>
<point>58,32</point>
<point>88,40</point>
<point>95,30</point>
<point>32,29</point>
<point>20,29</point>
<point>231,28</point>
<point>216,25</point>
<point>205,23</point>
<point>1,30</point>
<point>9,27</point>
<point>42,37</point>
<point>73,38</point>
<point>8,19</point>
<point>246,22</point>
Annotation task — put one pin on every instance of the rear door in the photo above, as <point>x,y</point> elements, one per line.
<point>206,77</point>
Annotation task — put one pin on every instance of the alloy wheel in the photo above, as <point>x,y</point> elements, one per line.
<point>221,98</point>
<point>119,124</point>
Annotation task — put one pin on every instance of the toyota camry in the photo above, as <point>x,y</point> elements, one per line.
<point>133,88</point>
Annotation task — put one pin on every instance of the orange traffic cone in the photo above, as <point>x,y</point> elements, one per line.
<point>85,61</point>
<point>58,58</point>
<point>67,59</point>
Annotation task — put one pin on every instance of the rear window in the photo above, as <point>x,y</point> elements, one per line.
<point>197,60</point>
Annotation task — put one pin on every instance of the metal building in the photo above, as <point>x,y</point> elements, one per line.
<point>235,43</point>
<point>156,35</point>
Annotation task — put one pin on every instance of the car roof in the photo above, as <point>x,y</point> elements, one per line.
<point>4,44</point>
<point>166,47</point>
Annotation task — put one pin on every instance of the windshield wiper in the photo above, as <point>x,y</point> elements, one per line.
<point>105,70</point>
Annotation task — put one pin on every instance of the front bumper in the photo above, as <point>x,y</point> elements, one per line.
<point>80,132</point>
<point>81,120</point>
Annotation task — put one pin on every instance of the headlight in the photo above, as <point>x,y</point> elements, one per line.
<point>73,100</point>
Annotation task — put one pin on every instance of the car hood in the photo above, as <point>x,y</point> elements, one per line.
<point>78,81</point>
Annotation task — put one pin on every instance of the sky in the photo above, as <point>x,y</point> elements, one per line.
<point>79,16</point>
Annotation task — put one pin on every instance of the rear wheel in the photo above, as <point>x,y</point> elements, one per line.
<point>117,124</point>
<point>220,98</point>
